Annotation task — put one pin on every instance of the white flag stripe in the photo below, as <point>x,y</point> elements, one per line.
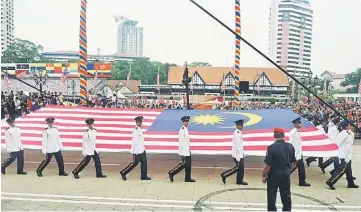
<point>24,125</point>
<point>63,132</point>
<point>175,143</point>
<point>67,121</point>
<point>89,111</point>
<point>44,115</point>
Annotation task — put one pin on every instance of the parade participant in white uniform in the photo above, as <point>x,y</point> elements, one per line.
<point>14,147</point>
<point>345,141</point>
<point>333,131</point>
<point>184,152</point>
<point>138,152</point>
<point>320,125</point>
<point>51,145</point>
<point>237,155</point>
<point>89,151</point>
<point>296,141</point>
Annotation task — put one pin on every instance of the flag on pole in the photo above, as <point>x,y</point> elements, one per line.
<point>359,87</point>
<point>259,82</point>
<point>128,76</point>
<point>325,87</point>
<point>64,76</point>
<point>222,84</point>
<point>158,84</point>
<point>293,89</point>
<point>6,79</point>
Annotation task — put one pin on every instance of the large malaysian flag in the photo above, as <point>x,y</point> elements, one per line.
<point>210,132</point>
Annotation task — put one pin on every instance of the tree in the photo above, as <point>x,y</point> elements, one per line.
<point>352,80</point>
<point>199,64</point>
<point>23,51</point>
<point>141,69</point>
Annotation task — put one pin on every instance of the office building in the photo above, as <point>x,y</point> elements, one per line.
<point>290,35</point>
<point>7,24</point>
<point>129,37</point>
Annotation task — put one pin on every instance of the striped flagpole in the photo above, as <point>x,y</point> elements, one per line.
<point>237,53</point>
<point>83,54</point>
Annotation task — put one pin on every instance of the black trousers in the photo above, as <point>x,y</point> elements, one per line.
<point>85,162</point>
<point>329,161</point>
<point>343,168</point>
<point>301,171</point>
<point>311,159</point>
<point>142,158</point>
<point>239,168</point>
<point>279,179</point>
<point>19,156</point>
<point>59,160</point>
<point>185,164</point>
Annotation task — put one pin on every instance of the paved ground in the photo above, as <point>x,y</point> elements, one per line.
<point>51,192</point>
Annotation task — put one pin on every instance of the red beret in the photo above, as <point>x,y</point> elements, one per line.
<point>280,130</point>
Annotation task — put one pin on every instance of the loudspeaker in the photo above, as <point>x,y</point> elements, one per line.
<point>243,86</point>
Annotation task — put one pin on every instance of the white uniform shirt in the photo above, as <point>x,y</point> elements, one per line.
<point>320,127</point>
<point>51,140</point>
<point>184,149</point>
<point>137,141</point>
<point>296,141</point>
<point>89,140</point>
<point>237,145</point>
<point>345,141</point>
<point>13,139</point>
<point>333,132</point>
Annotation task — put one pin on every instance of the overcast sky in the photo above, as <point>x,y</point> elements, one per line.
<point>176,31</point>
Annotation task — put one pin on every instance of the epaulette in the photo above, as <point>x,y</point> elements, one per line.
<point>7,128</point>
<point>94,129</point>
<point>182,128</point>
<point>87,130</point>
<point>46,128</point>
<point>136,127</point>
<point>237,131</point>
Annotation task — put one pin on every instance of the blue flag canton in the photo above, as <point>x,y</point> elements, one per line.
<point>223,120</point>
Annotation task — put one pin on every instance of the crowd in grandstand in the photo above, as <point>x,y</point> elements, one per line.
<point>16,104</point>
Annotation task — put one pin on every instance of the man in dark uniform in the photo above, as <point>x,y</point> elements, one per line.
<point>138,151</point>
<point>184,152</point>
<point>277,171</point>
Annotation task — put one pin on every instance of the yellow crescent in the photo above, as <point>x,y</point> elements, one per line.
<point>253,118</point>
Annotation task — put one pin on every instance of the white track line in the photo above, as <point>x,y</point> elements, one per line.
<point>166,201</point>
<point>132,204</point>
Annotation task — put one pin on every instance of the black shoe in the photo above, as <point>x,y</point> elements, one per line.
<point>39,174</point>
<point>171,177</point>
<point>190,181</point>
<point>146,178</point>
<point>352,186</point>
<point>76,176</point>
<point>354,178</point>
<point>242,183</point>
<point>22,173</point>
<point>124,177</point>
<point>308,163</point>
<point>101,176</point>
<point>304,184</point>
<point>330,185</point>
<point>3,170</point>
<point>63,174</point>
<point>323,170</point>
<point>223,179</point>
<point>331,173</point>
